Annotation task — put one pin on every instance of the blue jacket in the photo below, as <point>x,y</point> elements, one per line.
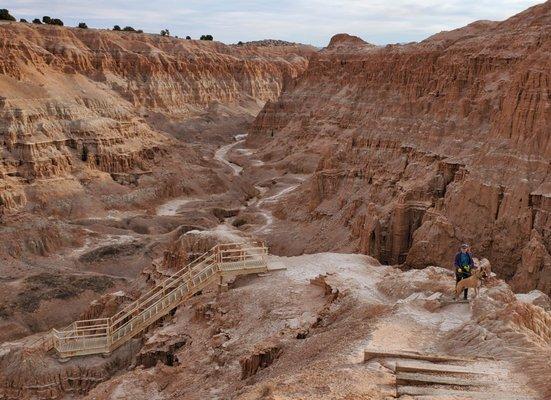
<point>458,260</point>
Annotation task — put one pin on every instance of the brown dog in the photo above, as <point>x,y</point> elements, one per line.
<point>474,282</point>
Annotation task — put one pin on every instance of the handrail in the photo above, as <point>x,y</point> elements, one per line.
<point>81,337</point>
<point>156,288</point>
<point>157,302</point>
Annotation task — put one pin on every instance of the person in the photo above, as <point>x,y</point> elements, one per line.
<point>463,265</point>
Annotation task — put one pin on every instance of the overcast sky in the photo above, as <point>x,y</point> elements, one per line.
<point>313,22</point>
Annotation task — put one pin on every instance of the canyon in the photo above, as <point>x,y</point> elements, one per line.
<point>125,156</point>
<point>416,148</point>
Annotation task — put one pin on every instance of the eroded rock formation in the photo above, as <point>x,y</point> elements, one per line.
<point>416,148</point>
<point>76,100</point>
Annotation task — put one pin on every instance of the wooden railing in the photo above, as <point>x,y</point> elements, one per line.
<point>103,335</point>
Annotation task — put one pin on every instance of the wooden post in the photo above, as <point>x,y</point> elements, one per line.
<point>222,285</point>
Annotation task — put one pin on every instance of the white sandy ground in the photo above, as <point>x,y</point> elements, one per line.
<point>172,207</point>
<point>411,327</point>
<point>282,192</point>
<point>329,363</point>
<point>93,241</point>
<point>222,155</point>
<point>117,215</point>
<point>274,197</point>
<point>224,232</point>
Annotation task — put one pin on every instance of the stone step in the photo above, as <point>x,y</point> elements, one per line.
<point>427,393</point>
<point>405,366</point>
<point>370,354</point>
<point>407,378</point>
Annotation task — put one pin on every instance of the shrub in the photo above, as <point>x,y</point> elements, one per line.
<point>5,15</point>
<point>206,37</point>
<point>165,32</point>
<point>46,19</point>
<point>139,31</point>
<point>116,28</point>
<point>129,29</point>
<point>57,21</point>
<point>37,21</point>
<point>240,43</point>
<point>82,25</point>
<point>24,21</point>
<point>238,222</point>
<point>188,37</point>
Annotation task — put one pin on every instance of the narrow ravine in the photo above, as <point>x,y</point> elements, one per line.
<point>222,154</point>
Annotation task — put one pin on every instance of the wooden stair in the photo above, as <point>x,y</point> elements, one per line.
<point>103,335</point>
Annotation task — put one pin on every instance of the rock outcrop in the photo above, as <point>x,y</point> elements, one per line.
<point>422,146</point>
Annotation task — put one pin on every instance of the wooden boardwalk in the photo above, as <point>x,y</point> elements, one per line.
<point>103,335</point>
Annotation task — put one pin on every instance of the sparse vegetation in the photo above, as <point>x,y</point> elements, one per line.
<point>6,16</point>
<point>139,31</point>
<point>129,29</point>
<point>46,286</point>
<point>82,25</point>
<point>165,32</point>
<point>239,222</point>
<point>188,37</point>
<point>52,21</point>
<point>37,21</point>
<point>240,43</point>
<point>23,20</point>
<point>116,28</point>
<point>206,37</point>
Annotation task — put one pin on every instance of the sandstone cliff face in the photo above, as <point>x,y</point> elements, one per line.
<point>426,145</point>
<point>74,100</point>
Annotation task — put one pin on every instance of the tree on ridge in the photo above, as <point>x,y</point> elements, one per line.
<point>6,16</point>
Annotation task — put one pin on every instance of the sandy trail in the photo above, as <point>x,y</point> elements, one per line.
<point>222,155</point>
<point>278,195</point>
<point>172,207</point>
<point>282,192</point>
<point>91,242</point>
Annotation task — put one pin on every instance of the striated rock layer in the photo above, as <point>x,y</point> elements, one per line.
<point>415,148</point>
<point>74,100</point>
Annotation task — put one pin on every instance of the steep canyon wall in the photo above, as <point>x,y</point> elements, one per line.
<point>78,100</point>
<point>422,146</point>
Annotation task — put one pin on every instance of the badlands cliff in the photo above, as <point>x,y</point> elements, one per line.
<point>415,148</point>
<point>75,101</point>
